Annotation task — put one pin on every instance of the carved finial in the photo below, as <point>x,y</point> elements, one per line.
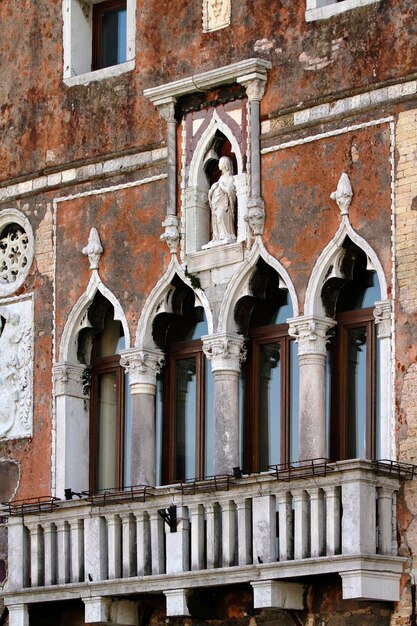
<point>171,236</point>
<point>343,194</point>
<point>93,249</point>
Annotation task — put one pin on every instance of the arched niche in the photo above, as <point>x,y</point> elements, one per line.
<point>221,137</point>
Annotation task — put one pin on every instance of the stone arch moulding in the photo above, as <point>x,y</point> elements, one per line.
<point>239,284</point>
<point>77,319</point>
<point>26,248</point>
<point>196,216</point>
<point>329,257</point>
<point>156,300</point>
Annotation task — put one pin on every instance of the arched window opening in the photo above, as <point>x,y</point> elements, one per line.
<point>269,379</point>
<point>184,407</point>
<point>353,424</point>
<point>99,346</point>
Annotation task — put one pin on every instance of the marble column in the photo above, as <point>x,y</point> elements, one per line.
<point>255,89</point>
<point>226,353</point>
<point>143,367</point>
<point>312,334</point>
<point>171,235</point>
<point>384,410</point>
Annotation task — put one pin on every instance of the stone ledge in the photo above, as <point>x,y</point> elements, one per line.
<point>215,257</point>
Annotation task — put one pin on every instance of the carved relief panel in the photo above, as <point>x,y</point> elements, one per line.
<point>16,368</point>
<point>216,14</point>
<point>214,170</point>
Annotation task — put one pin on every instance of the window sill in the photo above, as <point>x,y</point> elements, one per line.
<point>97,75</point>
<point>323,13</point>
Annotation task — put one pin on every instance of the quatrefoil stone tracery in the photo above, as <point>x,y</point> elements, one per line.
<point>14,244</point>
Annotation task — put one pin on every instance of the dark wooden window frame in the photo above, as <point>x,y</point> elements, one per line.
<point>339,382</point>
<point>177,352</point>
<point>251,426</point>
<point>107,365</point>
<point>99,10</point>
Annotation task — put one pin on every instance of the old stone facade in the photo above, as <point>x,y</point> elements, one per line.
<point>208,301</point>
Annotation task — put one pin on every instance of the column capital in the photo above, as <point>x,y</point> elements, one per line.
<point>225,351</point>
<point>72,379</point>
<point>254,84</point>
<point>142,365</point>
<point>311,333</point>
<point>382,316</point>
<point>166,109</point>
<point>256,215</point>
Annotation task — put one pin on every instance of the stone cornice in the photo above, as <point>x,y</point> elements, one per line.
<point>240,72</point>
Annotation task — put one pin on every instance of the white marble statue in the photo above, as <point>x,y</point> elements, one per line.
<point>222,201</point>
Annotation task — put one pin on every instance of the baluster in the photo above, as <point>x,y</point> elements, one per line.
<point>50,540</point>
<point>384,520</point>
<point>95,548</point>
<point>394,548</point>
<point>332,520</point>
<point>63,551</point>
<point>157,543</point>
<point>228,533</point>
<point>301,524</point>
<point>286,532</point>
<point>18,554</point>
<point>213,532</point>
<point>36,555</point>
<point>114,543</point>
<point>244,531</point>
<point>359,517</point>
<point>317,529</point>
<point>196,512</point>
<point>77,550</point>
<point>178,544</point>
<point>143,543</point>
<point>128,545</point>
<point>264,529</point>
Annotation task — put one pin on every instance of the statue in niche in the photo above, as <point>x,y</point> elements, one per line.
<point>15,350</point>
<point>222,201</point>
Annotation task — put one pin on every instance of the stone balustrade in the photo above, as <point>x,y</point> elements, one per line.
<point>339,518</point>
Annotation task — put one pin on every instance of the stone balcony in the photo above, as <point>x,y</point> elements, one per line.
<point>269,530</point>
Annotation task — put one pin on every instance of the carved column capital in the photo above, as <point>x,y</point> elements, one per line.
<point>311,333</point>
<point>72,379</point>
<point>142,367</point>
<point>171,236</point>
<point>382,316</point>
<point>226,352</point>
<point>255,86</point>
<point>167,110</point>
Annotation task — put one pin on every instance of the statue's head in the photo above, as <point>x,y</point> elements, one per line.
<point>225,165</point>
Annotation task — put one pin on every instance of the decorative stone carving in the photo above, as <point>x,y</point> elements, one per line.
<point>382,315</point>
<point>343,194</point>
<point>222,201</point>
<point>68,380</point>
<point>93,249</point>
<point>256,216</point>
<point>311,333</point>
<point>226,352</point>
<point>171,236</point>
<point>143,366</point>
<point>216,14</point>
<point>255,87</point>
<point>16,250</point>
<point>16,369</point>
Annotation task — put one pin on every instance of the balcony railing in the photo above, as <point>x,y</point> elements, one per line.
<point>283,525</point>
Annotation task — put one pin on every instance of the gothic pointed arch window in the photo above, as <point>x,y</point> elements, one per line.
<point>269,378</point>
<point>354,381</point>
<point>184,407</point>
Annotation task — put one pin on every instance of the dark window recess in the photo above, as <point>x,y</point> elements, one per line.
<point>109,33</point>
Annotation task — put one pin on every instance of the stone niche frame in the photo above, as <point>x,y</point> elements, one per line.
<point>16,367</point>
<point>7,218</point>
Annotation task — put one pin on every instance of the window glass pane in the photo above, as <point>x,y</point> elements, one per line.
<point>378,446</point>
<point>106,431</point>
<point>356,393</point>
<point>110,341</point>
<point>185,418</point>
<point>209,422</point>
<point>113,37</point>
<point>269,405</point>
<point>158,416</point>
<point>284,312</point>
<point>127,434</point>
<point>373,293</point>
<point>294,399</point>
